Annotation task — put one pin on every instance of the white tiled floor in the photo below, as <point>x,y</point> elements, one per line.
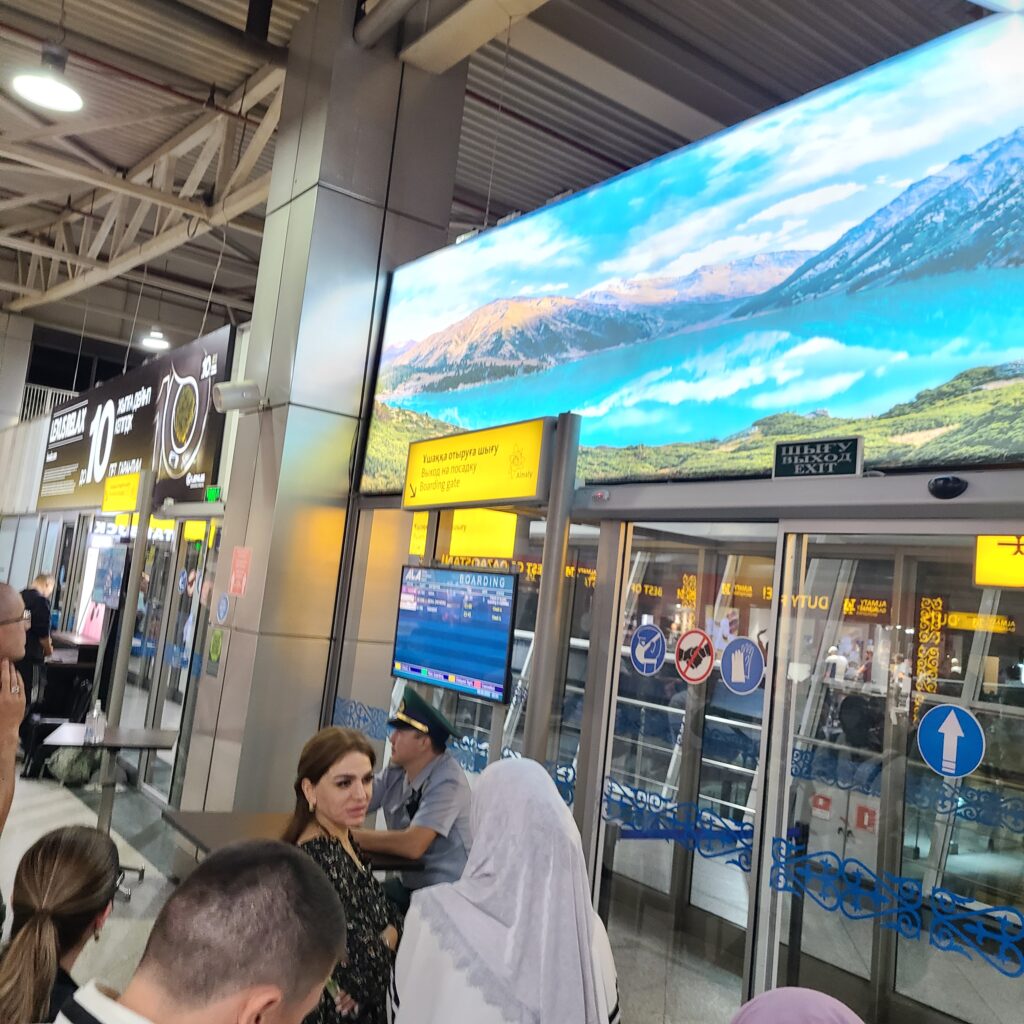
<point>42,806</point>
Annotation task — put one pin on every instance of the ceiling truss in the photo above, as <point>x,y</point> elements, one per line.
<point>197,182</point>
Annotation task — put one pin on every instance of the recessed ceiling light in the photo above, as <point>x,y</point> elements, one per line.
<point>47,87</point>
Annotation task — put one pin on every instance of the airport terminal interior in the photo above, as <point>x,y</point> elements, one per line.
<point>637,380</point>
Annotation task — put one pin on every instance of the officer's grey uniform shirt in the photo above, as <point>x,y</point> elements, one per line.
<point>444,808</point>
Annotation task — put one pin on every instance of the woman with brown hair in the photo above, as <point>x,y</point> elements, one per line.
<point>332,794</point>
<point>63,894</point>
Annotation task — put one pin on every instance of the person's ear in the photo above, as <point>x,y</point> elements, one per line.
<point>309,791</point>
<point>103,916</point>
<point>260,1005</point>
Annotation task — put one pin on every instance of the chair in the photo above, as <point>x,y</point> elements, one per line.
<point>45,717</point>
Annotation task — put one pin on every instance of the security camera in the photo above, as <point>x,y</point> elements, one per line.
<point>237,395</point>
<point>946,487</point>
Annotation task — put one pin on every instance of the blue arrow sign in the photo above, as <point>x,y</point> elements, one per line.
<point>742,666</point>
<point>647,650</point>
<point>951,741</point>
<point>223,606</point>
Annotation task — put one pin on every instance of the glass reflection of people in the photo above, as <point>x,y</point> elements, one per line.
<point>141,604</point>
<point>867,667</point>
<point>725,629</point>
<point>836,664</point>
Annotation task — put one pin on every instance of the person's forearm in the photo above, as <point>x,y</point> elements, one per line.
<point>398,843</point>
<point>8,750</point>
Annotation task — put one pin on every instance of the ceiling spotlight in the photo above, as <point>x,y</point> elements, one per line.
<point>47,87</point>
<point>155,341</point>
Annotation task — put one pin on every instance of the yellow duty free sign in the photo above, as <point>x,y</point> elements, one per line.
<point>500,465</point>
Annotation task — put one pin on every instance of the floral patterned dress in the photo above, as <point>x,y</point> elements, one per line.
<point>368,911</point>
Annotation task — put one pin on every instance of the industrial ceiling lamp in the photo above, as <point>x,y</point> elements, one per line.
<point>155,340</point>
<point>47,87</point>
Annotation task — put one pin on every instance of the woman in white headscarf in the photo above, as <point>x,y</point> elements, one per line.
<point>516,939</point>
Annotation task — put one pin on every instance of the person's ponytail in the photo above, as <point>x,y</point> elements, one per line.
<point>28,968</point>
<point>64,884</point>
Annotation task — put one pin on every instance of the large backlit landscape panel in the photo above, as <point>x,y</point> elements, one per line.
<point>848,263</point>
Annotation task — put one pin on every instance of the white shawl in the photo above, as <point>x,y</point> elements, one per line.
<point>519,923</point>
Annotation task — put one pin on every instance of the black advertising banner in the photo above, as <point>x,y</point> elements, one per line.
<point>160,415</point>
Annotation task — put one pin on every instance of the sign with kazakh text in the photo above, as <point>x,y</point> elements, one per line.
<point>830,457</point>
<point>499,466</point>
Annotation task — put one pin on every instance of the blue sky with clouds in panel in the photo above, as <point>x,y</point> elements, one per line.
<point>797,177</point>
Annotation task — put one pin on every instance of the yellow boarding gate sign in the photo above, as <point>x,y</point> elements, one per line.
<point>500,465</point>
<point>999,561</point>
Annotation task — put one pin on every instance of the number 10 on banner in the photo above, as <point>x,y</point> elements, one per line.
<point>101,439</point>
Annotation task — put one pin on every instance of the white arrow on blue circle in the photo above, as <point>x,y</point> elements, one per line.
<point>952,733</point>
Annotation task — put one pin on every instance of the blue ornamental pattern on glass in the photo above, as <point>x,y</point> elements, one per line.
<point>956,924</point>
<point>645,815</point>
<point>925,790</point>
<point>847,885</point>
<point>364,717</point>
<point>995,934</point>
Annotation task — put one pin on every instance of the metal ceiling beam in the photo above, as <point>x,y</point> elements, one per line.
<point>98,179</point>
<point>30,199</point>
<point>646,52</point>
<point>16,24</point>
<point>470,26</point>
<point>248,196</point>
<point>608,79</point>
<point>23,113</point>
<point>226,36</point>
<point>154,280</point>
<point>100,124</point>
<point>373,27</point>
<point>252,92</point>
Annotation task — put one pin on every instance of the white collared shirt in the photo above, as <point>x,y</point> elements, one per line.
<point>96,1005</point>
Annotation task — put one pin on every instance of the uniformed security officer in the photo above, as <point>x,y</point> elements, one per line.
<point>425,796</point>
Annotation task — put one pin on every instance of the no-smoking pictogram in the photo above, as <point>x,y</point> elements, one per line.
<point>695,656</point>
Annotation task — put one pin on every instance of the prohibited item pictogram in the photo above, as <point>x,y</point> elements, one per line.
<point>695,656</point>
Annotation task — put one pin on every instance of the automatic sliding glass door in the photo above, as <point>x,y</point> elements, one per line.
<point>893,885</point>
<point>683,766</point>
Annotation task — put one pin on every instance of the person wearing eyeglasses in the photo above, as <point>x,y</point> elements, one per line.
<point>63,893</point>
<point>425,796</point>
<point>13,624</point>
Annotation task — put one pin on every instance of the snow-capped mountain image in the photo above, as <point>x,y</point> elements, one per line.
<point>851,261</point>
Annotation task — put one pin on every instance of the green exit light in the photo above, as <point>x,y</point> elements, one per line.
<point>213,493</point>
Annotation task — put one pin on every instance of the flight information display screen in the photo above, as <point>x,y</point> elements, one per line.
<point>455,630</point>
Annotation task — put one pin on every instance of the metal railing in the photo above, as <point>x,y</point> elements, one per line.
<point>40,401</point>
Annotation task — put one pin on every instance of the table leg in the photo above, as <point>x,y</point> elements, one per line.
<point>108,787</point>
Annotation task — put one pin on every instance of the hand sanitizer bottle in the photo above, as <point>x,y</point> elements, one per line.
<point>95,724</point>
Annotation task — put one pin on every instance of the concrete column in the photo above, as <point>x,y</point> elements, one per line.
<point>15,346</point>
<point>363,176</point>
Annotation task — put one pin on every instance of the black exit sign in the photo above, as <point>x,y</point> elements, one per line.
<point>829,457</point>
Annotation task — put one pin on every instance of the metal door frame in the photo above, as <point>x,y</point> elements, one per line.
<point>762,966</point>
<point>156,700</point>
<point>763,931</point>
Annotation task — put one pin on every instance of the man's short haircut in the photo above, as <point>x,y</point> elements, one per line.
<point>8,595</point>
<point>254,913</point>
